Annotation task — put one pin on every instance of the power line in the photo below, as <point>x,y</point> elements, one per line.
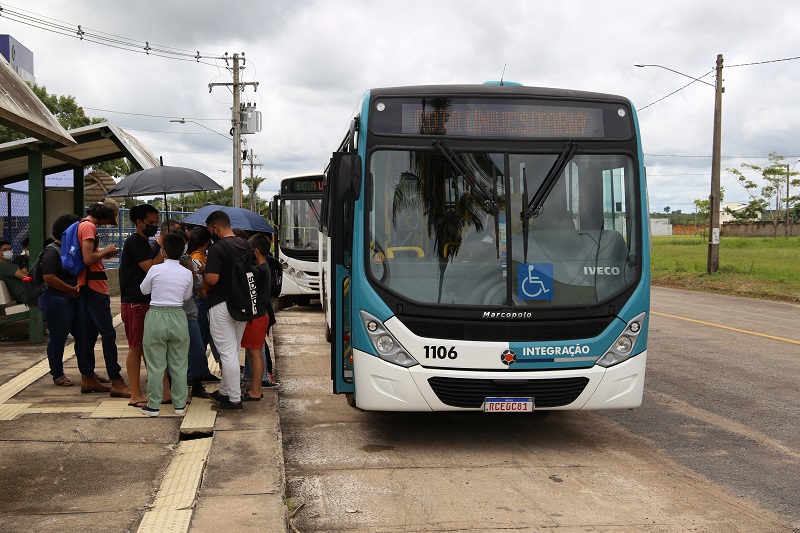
<point>675,91</point>
<point>77,31</point>
<point>147,115</point>
<point>764,62</point>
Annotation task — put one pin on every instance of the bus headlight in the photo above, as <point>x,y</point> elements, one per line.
<point>622,348</point>
<point>387,347</point>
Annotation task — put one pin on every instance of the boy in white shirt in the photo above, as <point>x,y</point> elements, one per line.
<point>166,332</point>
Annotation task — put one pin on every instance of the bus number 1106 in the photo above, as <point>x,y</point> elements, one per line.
<point>440,352</point>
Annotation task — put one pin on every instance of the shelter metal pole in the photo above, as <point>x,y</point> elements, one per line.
<point>36,218</point>
<point>78,190</point>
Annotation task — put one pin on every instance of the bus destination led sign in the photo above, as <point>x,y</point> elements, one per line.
<point>307,185</point>
<point>502,120</point>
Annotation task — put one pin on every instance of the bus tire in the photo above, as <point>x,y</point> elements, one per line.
<point>351,399</point>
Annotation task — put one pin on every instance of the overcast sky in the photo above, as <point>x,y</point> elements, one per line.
<point>314,59</point>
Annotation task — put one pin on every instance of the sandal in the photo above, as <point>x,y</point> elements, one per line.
<point>247,398</point>
<point>138,405</point>
<point>63,381</point>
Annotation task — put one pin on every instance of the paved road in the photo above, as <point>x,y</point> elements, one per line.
<point>713,448</point>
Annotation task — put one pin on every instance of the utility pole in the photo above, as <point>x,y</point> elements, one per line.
<point>253,185</point>
<point>788,182</point>
<point>236,123</point>
<point>714,198</point>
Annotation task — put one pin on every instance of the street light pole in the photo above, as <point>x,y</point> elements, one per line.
<point>713,242</point>
<point>716,151</point>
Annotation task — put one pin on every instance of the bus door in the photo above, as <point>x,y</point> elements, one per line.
<point>342,189</point>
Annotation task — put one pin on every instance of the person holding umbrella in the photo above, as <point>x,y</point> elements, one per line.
<point>137,259</point>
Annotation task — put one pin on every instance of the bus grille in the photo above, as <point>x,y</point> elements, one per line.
<point>506,332</point>
<point>470,393</point>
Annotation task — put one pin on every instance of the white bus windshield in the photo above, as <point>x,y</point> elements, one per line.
<point>299,224</point>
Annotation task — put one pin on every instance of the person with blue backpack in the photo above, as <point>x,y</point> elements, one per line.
<point>95,303</point>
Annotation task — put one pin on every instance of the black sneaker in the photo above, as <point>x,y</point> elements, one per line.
<point>149,411</point>
<point>199,392</point>
<point>218,397</point>
<point>228,405</point>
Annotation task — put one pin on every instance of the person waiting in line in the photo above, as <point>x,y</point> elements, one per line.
<point>225,331</point>
<point>137,259</point>
<point>255,332</point>
<point>166,329</point>
<point>198,363</point>
<point>10,272</point>
<point>59,301</point>
<point>268,379</point>
<point>94,309</point>
<point>23,260</point>
<point>198,246</point>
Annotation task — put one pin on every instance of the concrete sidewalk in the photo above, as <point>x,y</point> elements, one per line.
<point>88,462</point>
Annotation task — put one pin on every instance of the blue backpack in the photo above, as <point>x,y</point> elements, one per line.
<point>71,254</point>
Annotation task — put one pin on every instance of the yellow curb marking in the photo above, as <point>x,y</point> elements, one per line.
<point>199,417</point>
<point>728,328</point>
<point>172,508</point>
<point>9,411</point>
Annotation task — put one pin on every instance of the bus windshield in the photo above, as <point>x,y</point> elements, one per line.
<point>459,232</point>
<point>299,224</point>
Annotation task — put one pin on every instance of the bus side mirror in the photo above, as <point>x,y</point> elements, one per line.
<point>348,175</point>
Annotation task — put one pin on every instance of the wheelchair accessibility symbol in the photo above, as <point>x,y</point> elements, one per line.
<point>535,281</point>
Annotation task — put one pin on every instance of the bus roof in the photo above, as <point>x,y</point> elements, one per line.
<point>491,89</point>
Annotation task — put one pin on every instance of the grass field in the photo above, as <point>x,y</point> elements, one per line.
<point>757,267</point>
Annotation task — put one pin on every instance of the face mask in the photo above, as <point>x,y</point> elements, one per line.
<point>8,255</point>
<point>26,253</point>
<point>150,230</point>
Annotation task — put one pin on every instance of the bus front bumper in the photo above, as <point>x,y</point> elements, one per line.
<point>382,386</point>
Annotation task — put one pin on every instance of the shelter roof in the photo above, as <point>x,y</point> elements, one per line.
<point>21,110</point>
<point>95,144</point>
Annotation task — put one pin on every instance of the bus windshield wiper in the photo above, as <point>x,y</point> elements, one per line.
<point>535,206</point>
<point>489,201</point>
<point>313,208</point>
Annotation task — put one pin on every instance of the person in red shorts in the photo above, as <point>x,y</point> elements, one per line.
<point>137,259</point>
<point>255,332</point>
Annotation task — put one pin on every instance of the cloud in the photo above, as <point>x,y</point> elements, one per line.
<point>314,60</point>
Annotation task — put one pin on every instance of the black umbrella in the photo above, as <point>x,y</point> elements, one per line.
<point>163,180</point>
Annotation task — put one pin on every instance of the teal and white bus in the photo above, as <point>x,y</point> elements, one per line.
<point>295,213</point>
<point>486,248</point>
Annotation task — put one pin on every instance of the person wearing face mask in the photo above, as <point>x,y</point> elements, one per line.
<point>10,272</point>
<point>137,259</point>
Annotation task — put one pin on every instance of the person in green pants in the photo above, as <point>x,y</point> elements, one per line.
<point>166,330</point>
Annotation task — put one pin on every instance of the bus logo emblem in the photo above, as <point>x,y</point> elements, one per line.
<point>508,357</point>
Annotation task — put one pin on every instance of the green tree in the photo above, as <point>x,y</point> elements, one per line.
<point>702,214</point>
<point>769,195</point>
<point>70,115</point>
<point>252,185</point>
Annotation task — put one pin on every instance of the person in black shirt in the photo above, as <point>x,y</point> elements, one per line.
<point>59,301</point>
<point>137,258</point>
<point>225,331</point>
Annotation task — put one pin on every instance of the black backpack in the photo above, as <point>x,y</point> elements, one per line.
<point>35,286</point>
<point>243,302</point>
<point>276,270</point>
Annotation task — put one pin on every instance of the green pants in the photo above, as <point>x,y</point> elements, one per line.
<point>166,345</point>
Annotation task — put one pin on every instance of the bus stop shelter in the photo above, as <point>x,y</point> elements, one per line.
<point>52,149</point>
